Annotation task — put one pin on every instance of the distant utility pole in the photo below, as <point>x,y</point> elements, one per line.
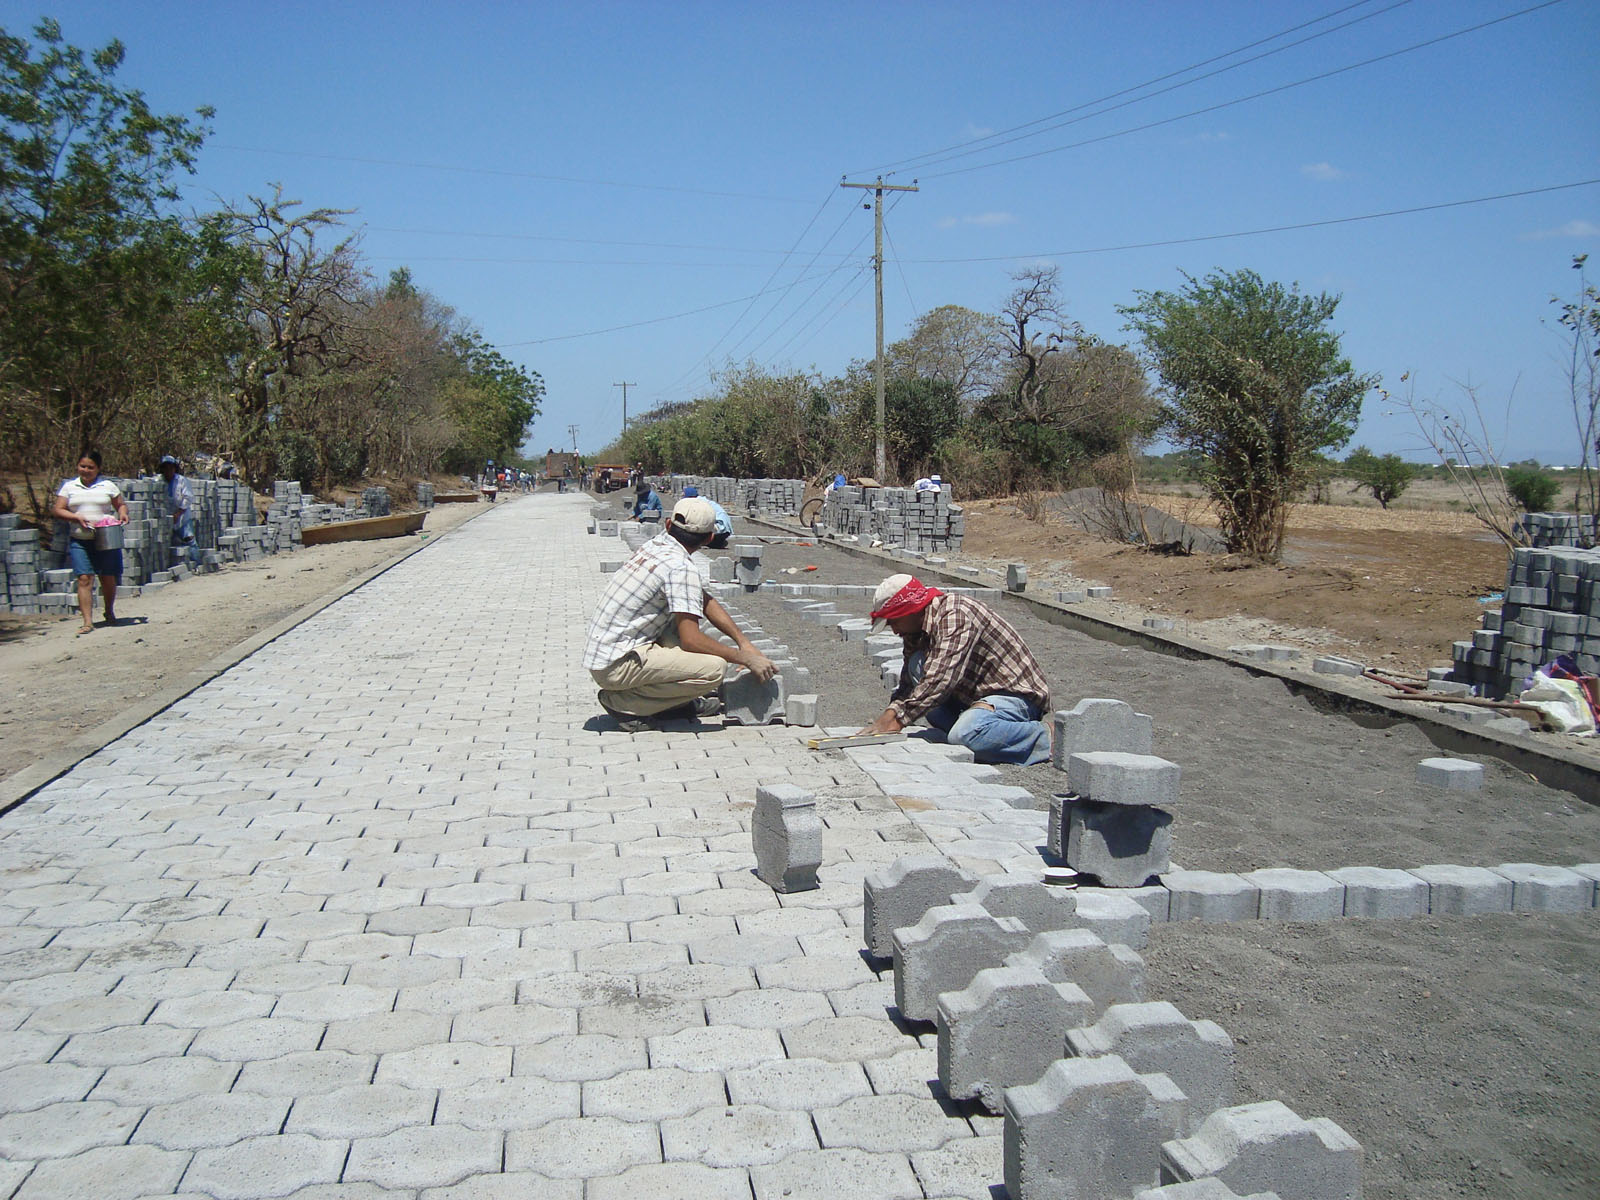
<point>573,430</point>
<point>624,387</point>
<point>878,189</point>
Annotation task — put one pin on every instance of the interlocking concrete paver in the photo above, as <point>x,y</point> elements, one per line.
<point>107,1173</point>
<point>846,1174</point>
<point>502,1104</point>
<point>60,1130</point>
<point>897,1121</point>
<point>405,938</point>
<point>425,1156</point>
<point>212,1120</point>
<point>673,1181</point>
<point>265,1166</point>
<point>583,1147</point>
<point>737,1135</point>
<point>359,1111</point>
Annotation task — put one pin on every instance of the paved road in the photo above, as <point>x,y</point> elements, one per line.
<point>387,910</point>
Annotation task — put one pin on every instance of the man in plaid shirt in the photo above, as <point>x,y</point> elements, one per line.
<point>967,671</point>
<point>645,648</point>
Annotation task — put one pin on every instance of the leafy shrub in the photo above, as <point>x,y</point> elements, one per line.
<point>1531,488</point>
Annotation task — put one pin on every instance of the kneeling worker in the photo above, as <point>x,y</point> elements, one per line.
<point>645,648</point>
<point>967,671</point>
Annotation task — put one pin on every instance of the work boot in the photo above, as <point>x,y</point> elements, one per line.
<point>626,722</point>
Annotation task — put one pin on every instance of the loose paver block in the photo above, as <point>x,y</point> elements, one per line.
<point>943,951</point>
<point>1016,577</point>
<point>1036,904</point>
<point>1332,664</point>
<point>1196,1055</point>
<point>748,701</point>
<point>1291,895</point>
<point>1261,1147</point>
<point>1099,724</point>
<point>800,710</point>
<point>1004,1030</point>
<point>1381,892</point>
<point>897,896</point>
<point>1465,891</point>
<point>1211,896</point>
<point>1114,916</point>
<point>1537,888</point>
<point>787,834</point>
<point>1202,1189</point>
<point>1108,974</point>
<point>1123,846</point>
<point>1451,774</point>
<point>1113,777</point>
<point>1088,1129</point>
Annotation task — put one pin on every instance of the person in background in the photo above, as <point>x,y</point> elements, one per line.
<point>646,500</point>
<point>967,670</point>
<point>180,501</point>
<point>724,523</point>
<point>86,502</point>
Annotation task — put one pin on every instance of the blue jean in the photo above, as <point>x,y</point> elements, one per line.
<point>1012,733</point>
<point>86,560</point>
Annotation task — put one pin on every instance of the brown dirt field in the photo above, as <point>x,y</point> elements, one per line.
<point>1391,587</point>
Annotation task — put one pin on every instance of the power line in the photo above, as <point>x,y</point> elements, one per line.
<point>826,200</point>
<point>536,237</point>
<point>567,337</point>
<point>1217,237</point>
<point>1272,91</point>
<point>453,167</point>
<point>1001,137</point>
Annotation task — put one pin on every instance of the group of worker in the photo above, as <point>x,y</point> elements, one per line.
<point>966,670</point>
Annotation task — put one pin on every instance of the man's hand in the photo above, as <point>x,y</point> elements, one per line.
<point>888,722</point>
<point>758,664</point>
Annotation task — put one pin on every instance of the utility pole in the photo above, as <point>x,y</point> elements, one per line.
<point>878,189</point>
<point>573,430</point>
<point>624,387</point>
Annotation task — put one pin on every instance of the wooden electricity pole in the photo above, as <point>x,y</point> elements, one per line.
<point>624,387</point>
<point>878,189</point>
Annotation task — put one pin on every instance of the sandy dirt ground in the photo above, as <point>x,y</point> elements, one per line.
<point>59,684</point>
<point>1391,588</point>
<point>1461,1053</point>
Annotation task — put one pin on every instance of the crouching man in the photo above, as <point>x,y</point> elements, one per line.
<point>645,648</point>
<point>967,671</point>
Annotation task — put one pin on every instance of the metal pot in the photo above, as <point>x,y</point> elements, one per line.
<point>108,537</point>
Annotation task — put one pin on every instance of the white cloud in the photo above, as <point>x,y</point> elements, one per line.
<point>1572,229</point>
<point>948,222</point>
<point>1322,172</point>
<point>973,132</point>
<point>1212,136</point>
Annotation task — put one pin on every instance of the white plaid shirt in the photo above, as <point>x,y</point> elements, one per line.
<point>659,580</point>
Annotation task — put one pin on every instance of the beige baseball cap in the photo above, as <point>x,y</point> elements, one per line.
<point>694,515</point>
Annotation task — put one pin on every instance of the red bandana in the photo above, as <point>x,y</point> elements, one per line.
<point>912,598</point>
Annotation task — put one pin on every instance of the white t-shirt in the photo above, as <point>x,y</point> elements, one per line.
<point>94,501</point>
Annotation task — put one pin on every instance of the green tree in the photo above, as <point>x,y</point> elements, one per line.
<point>95,267</point>
<point>1385,476</point>
<point>1530,487</point>
<point>1256,383</point>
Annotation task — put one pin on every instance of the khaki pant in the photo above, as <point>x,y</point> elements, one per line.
<point>659,676</point>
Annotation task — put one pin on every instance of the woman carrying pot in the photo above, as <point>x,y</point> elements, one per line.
<point>88,502</point>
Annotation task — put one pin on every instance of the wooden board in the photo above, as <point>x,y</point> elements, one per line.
<point>365,530</point>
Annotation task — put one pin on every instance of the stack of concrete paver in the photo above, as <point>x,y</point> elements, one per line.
<point>375,502</point>
<point>19,581</point>
<point>424,494</point>
<point>918,521</point>
<point>1543,530</point>
<point>1551,608</point>
<point>780,497</point>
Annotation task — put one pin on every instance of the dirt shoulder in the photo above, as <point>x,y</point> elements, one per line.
<point>1392,588</point>
<point>63,684</point>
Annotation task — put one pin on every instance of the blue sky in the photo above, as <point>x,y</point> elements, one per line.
<point>556,170</point>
